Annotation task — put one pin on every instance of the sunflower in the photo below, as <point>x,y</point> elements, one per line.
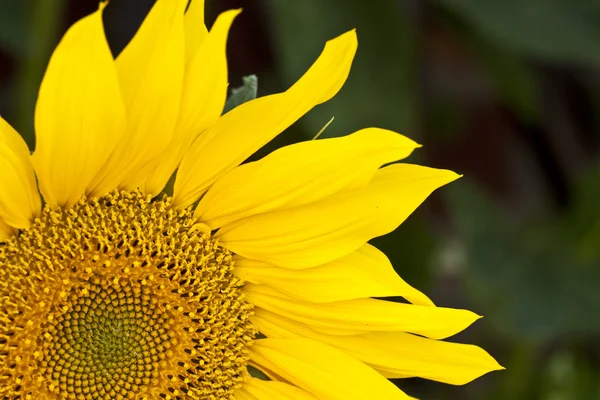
<point>251,281</point>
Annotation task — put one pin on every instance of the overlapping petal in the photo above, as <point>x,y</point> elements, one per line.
<point>19,199</point>
<point>316,233</point>
<point>300,174</point>
<point>395,354</point>
<point>256,389</point>
<point>79,115</point>
<point>364,314</point>
<point>203,98</point>
<point>322,370</point>
<point>151,71</point>
<point>366,272</point>
<point>6,231</point>
<point>248,127</point>
<point>195,28</point>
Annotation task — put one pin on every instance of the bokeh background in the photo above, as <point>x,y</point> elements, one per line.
<point>506,92</point>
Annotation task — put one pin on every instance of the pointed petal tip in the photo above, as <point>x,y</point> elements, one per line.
<point>235,12</point>
<point>448,176</point>
<point>493,364</point>
<point>227,18</point>
<point>349,36</point>
<point>468,319</point>
<point>483,364</point>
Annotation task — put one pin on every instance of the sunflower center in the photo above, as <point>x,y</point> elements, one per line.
<point>120,297</point>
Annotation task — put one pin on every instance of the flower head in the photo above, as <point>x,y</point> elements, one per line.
<point>113,291</point>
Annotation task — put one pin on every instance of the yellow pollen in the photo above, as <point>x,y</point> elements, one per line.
<point>121,297</point>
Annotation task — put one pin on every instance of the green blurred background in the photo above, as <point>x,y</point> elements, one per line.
<point>506,92</point>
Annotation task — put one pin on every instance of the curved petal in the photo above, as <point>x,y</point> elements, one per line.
<point>256,389</point>
<point>195,29</point>
<point>366,272</point>
<point>320,232</point>
<point>6,231</point>
<point>19,199</point>
<point>203,98</point>
<point>322,370</point>
<point>151,70</point>
<point>301,173</point>
<point>79,116</point>
<point>364,314</point>
<point>395,354</point>
<point>245,129</point>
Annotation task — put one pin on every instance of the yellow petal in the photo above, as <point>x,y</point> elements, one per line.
<point>452,363</point>
<point>6,231</point>
<point>205,88</point>
<point>364,314</point>
<point>248,127</point>
<point>327,373</point>
<point>19,199</point>
<point>271,390</point>
<point>366,272</point>
<point>203,98</point>
<point>320,232</point>
<point>395,354</point>
<point>151,70</point>
<point>79,115</point>
<point>195,29</point>
<point>244,395</point>
<point>244,262</point>
<point>300,174</point>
